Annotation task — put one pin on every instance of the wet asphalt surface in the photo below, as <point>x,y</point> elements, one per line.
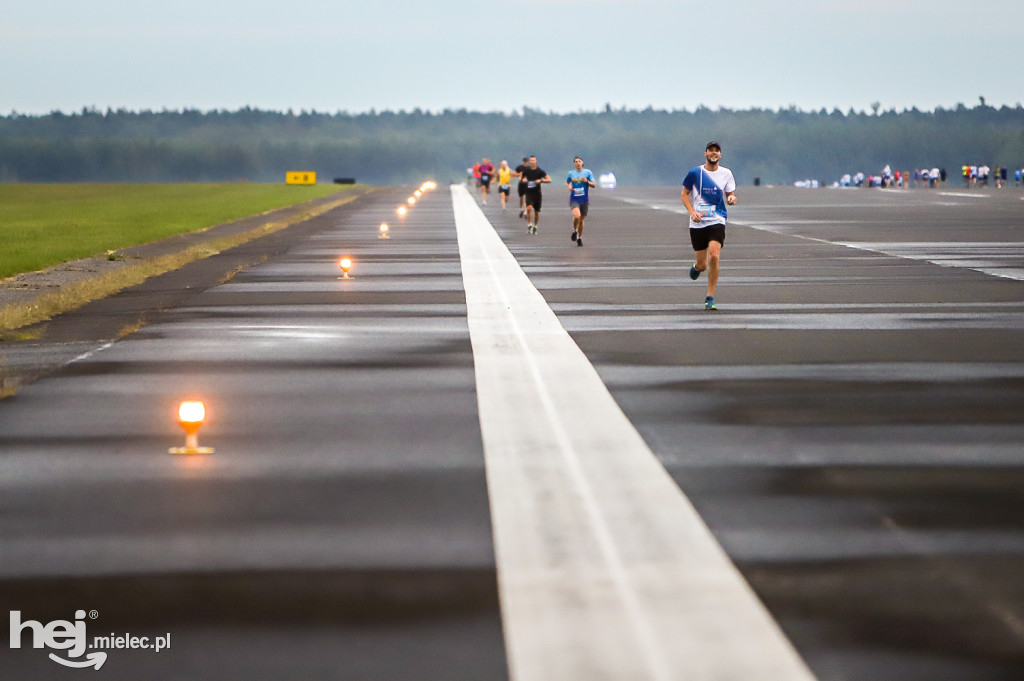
<point>850,424</point>
<point>340,531</point>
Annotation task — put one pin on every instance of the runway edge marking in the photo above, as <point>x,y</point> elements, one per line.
<point>900,250</point>
<point>605,569</point>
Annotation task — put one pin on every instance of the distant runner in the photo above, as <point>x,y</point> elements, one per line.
<point>486,173</point>
<point>522,184</point>
<point>534,177</point>
<point>579,182</point>
<point>707,190</point>
<point>504,182</point>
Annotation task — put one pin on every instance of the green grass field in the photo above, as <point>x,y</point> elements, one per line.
<point>42,225</point>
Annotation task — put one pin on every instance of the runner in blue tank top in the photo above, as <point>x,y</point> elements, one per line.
<point>579,182</point>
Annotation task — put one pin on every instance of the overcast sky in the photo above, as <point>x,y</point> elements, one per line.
<point>499,55</point>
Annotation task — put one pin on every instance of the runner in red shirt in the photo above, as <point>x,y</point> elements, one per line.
<point>486,173</point>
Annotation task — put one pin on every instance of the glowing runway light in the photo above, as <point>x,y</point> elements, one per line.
<point>411,200</point>
<point>401,210</point>
<point>345,264</point>
<point>191,415</point>
<point>417,193</point>
<point>384,230</point>
<point>192,412</point>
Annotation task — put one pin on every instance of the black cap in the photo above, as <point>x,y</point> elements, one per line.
<point>712,143</point>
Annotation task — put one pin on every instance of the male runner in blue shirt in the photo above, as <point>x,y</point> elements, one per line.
<point>579,182</point>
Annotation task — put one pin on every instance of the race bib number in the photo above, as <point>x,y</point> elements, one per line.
<point>531,185</point>
<point>579,191</point>
<point>706,210</point>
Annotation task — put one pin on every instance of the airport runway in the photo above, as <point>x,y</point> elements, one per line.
<point>848,428</point>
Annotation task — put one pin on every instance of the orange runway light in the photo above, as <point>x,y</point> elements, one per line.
<point>191,415</point>
<point>345,264</point>
<point>411,200</point>
<point>401,210</point>
<point>417,193</point>
<point>384,230</point>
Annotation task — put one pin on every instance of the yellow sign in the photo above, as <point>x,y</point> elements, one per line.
<point>300,177</point>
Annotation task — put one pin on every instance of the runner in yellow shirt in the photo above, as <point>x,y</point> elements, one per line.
<point>504,182</point>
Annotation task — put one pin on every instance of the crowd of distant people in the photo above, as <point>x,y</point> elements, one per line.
<point>973,176</point>
<point>978,176</point>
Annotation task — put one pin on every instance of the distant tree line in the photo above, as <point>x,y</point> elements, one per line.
<point>647,146</point>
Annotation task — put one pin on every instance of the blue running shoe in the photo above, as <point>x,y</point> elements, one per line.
<point>694,272</point>
<point>709,303</point>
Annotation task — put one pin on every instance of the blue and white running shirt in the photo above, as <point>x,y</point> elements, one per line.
<point>707,194</point>
<point>580,192</point>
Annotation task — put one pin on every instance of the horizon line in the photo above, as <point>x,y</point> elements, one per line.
<point>91,110</point>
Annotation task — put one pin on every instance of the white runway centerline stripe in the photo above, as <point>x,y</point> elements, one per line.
<point>605,570</point>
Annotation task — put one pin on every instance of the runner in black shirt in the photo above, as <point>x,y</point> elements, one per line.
<point>534,177</point>
<point>522,185</point>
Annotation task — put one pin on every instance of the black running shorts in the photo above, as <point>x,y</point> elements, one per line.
<point>522,189</point>
<point>533,199</point>
<point>583,206</point>
<point>702,236</point>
